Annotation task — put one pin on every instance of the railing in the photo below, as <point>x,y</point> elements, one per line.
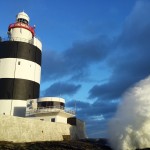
<point>16,39</point>
<point>48,110</point>
<point>47,107</point>
<point>20,39</point>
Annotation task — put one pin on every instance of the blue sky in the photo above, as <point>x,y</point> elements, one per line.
<point>93,51</point>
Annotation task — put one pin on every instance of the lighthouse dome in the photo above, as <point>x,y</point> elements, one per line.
<point>22,17</point>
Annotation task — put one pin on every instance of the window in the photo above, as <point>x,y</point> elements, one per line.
<point>45,104</point>
<point>22,20</point>
<point>19,62</point>
<point>42,119</point>
<point>52,119</point>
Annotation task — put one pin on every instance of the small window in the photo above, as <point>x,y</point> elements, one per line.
<point>52,119</point>
<point>19,62</point>
<point>42,119</point>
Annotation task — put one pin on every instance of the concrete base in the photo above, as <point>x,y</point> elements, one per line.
<point>19,129</point>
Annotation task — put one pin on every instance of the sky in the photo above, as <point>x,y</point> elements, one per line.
<point>93,51</point>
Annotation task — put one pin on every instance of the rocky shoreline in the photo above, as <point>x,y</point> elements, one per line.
<point>87,144</point>
<point>53,145</point>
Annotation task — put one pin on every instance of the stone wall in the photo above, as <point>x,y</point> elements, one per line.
<point>81,133</point>
<point>19,129</point>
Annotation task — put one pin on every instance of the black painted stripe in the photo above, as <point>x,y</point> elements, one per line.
<point>15,49</point>
<point>19,89</point>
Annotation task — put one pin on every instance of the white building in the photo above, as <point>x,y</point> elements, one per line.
<point>49,109</point>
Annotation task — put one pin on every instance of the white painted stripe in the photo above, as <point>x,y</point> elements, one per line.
<point>20,68</point>
<point>7,106</point>
<point>37,73</point>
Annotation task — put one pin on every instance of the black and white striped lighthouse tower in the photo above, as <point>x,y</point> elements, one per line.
<point>20,67</point>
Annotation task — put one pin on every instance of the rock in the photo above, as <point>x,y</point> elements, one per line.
<point>63,145</point>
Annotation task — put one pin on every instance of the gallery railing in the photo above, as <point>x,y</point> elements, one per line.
<point>49,109</point>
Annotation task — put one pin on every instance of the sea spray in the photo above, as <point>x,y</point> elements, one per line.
<point>130,127</point>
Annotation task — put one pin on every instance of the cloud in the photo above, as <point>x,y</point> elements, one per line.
<point>93,111</point>
<point>130,60</point>
<point>111,90</point>
<point>127,56</point>
<point>95,115</point>
<point>79,104</point>
<point>75,61</point>
<point>60,88</point>
<point>104,108</point>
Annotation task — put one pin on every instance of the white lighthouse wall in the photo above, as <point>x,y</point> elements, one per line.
<point>7,67</point>
<point>28,70</point>
<point>20,34</point>
<point>37,73</point>
<point>20,68</point>
<point>12,107</point>
<point>5,107</point>
<point>36,42</point>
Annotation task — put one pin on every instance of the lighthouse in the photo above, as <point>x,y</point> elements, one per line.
<point>20,67</point>
<point>36,118</point>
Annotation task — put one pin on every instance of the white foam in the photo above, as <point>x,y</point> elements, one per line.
<point>130,127</point>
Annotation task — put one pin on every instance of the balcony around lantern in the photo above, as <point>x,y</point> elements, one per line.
<point>48,110</point>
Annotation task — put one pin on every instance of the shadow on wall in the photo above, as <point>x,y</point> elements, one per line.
<point>77,130</point>
<point>19,111</point>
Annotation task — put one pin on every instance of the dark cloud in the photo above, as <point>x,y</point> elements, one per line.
<point>60,88</point>
<point>111,90</point>
<point>95,115</point>
<point>98,108</point>
<point>75,61</point>
<point>79,104</point>
<point>136,30</point>
<point>130,60</point>
<point>103,107</point>
<point>84,53</point>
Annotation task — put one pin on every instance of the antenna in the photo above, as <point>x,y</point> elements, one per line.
<point>59,89</point>
<point>75,105</point>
